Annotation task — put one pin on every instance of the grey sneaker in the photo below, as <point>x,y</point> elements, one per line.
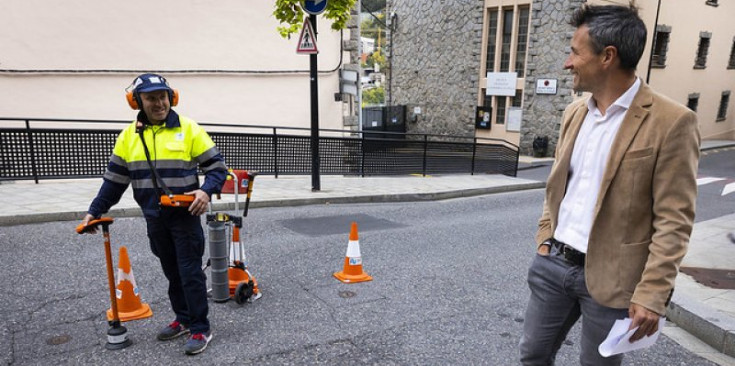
<point>171,331</point>
<point>197,343</point>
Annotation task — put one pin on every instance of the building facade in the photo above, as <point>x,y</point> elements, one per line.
<point>494,68</point>
<point>693,61</point>
<point>74,60</point>
<point>434,53</point>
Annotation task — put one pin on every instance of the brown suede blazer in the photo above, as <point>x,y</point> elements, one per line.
<point>645,210</point>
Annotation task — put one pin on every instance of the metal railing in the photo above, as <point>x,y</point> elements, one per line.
<point>35,148</point>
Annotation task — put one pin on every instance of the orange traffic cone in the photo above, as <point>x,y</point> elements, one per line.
<point>352,271</point>
<point>129,306</point>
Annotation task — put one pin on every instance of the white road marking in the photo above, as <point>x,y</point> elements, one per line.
<point>708,180</point>
<point>729,188</point>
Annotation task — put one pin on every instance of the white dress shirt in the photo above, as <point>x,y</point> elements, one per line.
<point>589,160</point>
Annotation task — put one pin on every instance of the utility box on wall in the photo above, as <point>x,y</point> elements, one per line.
<point>395,119</point>
<point>387,119</point>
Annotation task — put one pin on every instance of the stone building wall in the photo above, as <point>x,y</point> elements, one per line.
<point>436,55</point>
<point>350,46</point>
<point>435,60</point>
<point>550,34</point>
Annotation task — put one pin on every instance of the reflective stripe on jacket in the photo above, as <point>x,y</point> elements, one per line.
<point>176,149</point>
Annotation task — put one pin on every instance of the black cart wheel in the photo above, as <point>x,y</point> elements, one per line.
<point>244,291</point>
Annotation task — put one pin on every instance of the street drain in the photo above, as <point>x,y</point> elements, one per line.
<point>57,340</point>
<point>714,278</point>
<point>347,294</point>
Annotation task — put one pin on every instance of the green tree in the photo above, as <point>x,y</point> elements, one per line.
<point>290,14</point>
<point>370,27</point>
<point>374,96</point>
<point>374,28</point>
<point>378,58</point>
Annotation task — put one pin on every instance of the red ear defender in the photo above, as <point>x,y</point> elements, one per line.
<point>134,104</point>
<point>131,100</point>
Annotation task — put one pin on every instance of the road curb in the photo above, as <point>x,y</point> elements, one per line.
<point>704,322</point>
<point>720,146</point>
<point>533,166</point>
<point>229,206</point>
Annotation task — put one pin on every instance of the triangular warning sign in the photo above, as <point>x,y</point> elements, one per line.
<point>307,39</point>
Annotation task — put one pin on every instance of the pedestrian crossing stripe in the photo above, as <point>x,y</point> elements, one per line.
<point>708,180</point>
<point>729,187</point>
<point>307,40</point>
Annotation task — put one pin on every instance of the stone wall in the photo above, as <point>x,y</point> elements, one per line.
<point>435,60</point>
<point>436,54</point>
<point>550,34</point>
<point>349,102</point>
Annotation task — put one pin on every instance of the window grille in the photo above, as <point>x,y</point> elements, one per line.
<point>660,46</point>
<point>701,61</point>
<point>507,39</point>
<point>522,41</point>
<point>724,101</point>
<point>517,100</point>
<point>693,101</point>
<point>500,110</point>
<point>491,40</point>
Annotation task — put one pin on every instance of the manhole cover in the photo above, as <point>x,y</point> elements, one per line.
<point>347,294</point>
<point>714,278</point>
<point>339,224</point>
<point>57,340</point>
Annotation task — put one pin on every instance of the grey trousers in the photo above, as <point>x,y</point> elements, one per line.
<point>558,297</point>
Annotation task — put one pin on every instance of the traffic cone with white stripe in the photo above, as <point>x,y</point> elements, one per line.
<point>352,271</point>
<point>129,306</point>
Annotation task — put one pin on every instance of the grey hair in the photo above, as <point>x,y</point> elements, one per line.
<point>614,25</point>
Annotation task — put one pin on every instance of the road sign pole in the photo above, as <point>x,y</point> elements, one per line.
<point>315,184</point>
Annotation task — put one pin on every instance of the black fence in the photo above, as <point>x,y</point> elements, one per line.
<point>59,149</point>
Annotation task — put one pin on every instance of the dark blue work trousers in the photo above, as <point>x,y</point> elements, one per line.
<point>177,239</point>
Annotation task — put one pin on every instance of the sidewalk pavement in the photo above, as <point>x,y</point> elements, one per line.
<point>707,313</point>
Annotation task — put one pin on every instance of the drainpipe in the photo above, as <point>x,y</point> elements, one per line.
<point>653,44</point>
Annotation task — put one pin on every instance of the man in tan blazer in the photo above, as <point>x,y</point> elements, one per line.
<point>620,197</point>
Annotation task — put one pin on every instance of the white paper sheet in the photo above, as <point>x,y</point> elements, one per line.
<point>618,340</point>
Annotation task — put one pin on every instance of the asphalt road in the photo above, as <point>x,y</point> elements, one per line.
<point>449,288</point>
<point>716,164</point>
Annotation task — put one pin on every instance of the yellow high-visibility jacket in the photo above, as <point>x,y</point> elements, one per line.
<point>177,149</point>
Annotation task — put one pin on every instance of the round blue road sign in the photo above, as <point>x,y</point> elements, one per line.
<point>314,7</point>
